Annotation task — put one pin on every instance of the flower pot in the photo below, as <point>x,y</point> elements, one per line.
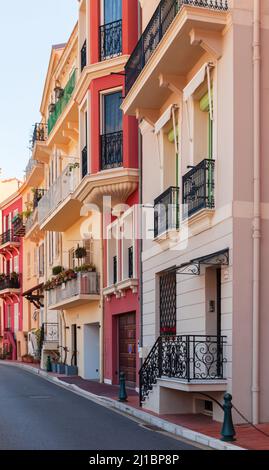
<point>71,370</point>
<point>60,369</point>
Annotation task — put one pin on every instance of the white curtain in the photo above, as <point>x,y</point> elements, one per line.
<point>113,10</point>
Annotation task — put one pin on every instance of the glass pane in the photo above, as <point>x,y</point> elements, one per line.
<point>113,113</point>
<point>112,10</point>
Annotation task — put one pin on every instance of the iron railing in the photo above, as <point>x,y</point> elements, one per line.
<point>8,237</point>
<point>18,226</point>
<point>166,211</point>
<point>84,158</point>
<point>38,194</point>
<point>84,284</point>
<point>61,104</point>
<point>83,56</point>
<point>111,150</point>
<point>50,332</point>
<point>198,188</point>
<point>161,20</point>
<point>186,358</point>
<point>40,133</point>
<point>58,192</point>
<point>9,283</point>
<point>110,40</point>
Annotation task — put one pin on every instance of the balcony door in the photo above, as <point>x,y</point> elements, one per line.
<point>74,361</point>
<point>111,142</point>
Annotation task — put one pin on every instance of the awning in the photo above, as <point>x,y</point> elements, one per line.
<point>195,82</point>
<point>193,267</point>
<point>164,119</point>
<point>35,296</point>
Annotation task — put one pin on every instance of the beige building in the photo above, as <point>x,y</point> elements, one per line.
<point>200,94</point>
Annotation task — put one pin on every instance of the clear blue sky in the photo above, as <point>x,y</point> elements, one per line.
<point>28,29</point>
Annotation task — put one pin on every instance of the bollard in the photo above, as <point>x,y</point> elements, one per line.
<point>122,394</point>
<point>48,364</point>
<point>228,431</point>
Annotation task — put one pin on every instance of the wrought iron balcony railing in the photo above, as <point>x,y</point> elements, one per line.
<point>40,133</point>
<point>50,332</point>
<point>162,18</point>
<point>110,40</point>
<point>18,226</point>
<point>9,283</point>
<point>111,150</point>
<point>83,284</point>
<point>83,56</point>
<point>8,237</point>
<point>186,358</point>
<point>62,102</point>
<point>166,211</point>
<point>198,188</point>
<point>84,158</point>
<point>63,187</point>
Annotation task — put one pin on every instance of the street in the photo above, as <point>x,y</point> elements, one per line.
<point>38,415</point>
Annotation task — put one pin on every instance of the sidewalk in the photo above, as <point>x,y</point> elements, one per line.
<point>199,428</point>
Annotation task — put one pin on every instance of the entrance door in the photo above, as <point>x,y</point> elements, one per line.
<point>74,360</point>
<point>168,304</point>
<point>213,312</point>
<point>127,347</point>
<point>91,352</point>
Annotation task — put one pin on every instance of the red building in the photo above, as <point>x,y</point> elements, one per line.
<point>108,32</point>
<point>11,261</point>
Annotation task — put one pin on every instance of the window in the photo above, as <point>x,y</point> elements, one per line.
<point>111,139</point>
<point>16,317</point>
<point>84,153</point>
<point>112,11</point>
<point>113,274</point>
<point>41,261</point>
<point>16,264</point>
<point>128,245</point>
<point>8,320</point>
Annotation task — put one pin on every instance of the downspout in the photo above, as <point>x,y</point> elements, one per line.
<point>256,212</point>
<point>140,163</point>
<point>102,349</point>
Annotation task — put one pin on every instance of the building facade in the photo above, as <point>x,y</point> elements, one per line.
<point>204,143</point>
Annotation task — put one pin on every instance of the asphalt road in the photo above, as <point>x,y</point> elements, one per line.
<point>38,415</point>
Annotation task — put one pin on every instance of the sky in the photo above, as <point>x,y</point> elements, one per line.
<point>28,29</point>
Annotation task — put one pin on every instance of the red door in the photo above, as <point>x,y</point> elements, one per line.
<point>127,347</point>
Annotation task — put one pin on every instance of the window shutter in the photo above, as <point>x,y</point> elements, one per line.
<point>88,245</point>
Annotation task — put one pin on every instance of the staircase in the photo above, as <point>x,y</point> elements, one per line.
<point>186,358</point>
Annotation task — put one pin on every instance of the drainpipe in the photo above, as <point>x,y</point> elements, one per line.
<point>102,349</point>
<point>140,163</point>
<point>256,211</point>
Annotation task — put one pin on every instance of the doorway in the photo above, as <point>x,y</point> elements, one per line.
<point>127,347</point>
<point>92,352</point>
<point>213,327</point>
<point>74,343</point>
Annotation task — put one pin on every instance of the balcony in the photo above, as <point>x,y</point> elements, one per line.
<point>110,40</point>
<point>9,286</point>
<point>40,133</point>
<point>166,212</point>
<point>62,102</point>
<point>58,209</point>
<point>198,188</point>
<point>40,152</point>
<point>111,150</point>
<point>79,291</point>
<point>193,362</point>
<point>34,172</point>
<point>9,242</point>
<point>178,28</point>
<point>83,56</point>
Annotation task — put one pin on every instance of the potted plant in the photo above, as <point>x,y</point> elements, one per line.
<point>86,268</point>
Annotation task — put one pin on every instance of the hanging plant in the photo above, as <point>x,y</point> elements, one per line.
<point>86,268</point>
<point>80,252</point>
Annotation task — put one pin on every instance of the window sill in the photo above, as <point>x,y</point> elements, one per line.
<point>119,289</point>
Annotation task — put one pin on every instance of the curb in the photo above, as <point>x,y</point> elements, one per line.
<point>160,423</point>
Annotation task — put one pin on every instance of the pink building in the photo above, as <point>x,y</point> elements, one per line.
<point>11,259</point>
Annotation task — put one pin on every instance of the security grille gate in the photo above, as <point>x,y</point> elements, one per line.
<point>168,297</point>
